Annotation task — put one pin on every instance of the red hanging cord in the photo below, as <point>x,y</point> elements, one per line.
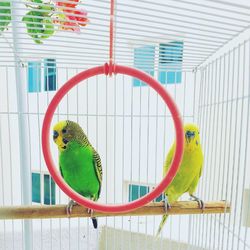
<point>111,37</point>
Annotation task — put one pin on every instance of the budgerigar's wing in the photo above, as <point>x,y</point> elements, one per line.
<point>98,169</point>
<point>168,160</point>
<point>201,165</point>
<point>194,184</point>
<point>61,171</point>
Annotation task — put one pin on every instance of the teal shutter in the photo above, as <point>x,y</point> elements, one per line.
<point>144,60</point>
<point>49,190</point>
<point>170,62</point>
<point>36,188</point>
<point>34,77</point>
<point>160,198</point>
<point>137,191</point>
<point>49,74</point>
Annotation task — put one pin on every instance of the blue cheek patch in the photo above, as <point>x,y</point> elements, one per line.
<point>197,143</point>
<point>65,141</point>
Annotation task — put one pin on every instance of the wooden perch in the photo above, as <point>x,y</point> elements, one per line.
<point>157,208</point>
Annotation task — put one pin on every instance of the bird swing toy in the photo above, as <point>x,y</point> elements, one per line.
<point>109,69</point>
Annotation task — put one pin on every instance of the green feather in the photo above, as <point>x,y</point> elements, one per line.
<point>77,165</point>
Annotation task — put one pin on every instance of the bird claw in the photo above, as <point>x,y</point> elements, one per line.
<point>200,202</point>
<point>91,212</point>
<point>70,207</point>
<point>167,206</point>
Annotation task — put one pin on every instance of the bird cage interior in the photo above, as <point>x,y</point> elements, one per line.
<point>198,51</point>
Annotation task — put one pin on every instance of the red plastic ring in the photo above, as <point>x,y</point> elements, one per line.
<point>114,208</point>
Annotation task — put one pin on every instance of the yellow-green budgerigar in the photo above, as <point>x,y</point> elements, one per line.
<point>80,164</point>
<point>189,173</point>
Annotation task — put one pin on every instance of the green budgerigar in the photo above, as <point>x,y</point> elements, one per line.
<point>80,164</point>
<point>190,170</point>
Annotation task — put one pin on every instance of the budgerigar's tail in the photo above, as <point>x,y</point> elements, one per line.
<point>94,221</point>
<point>163,221</point>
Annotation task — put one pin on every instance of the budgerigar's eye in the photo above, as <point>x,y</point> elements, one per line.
<point>64,131</point>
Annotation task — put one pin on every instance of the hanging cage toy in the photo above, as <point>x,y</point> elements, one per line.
<point>110,69</point>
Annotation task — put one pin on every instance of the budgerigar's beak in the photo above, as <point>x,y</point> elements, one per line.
<point>189,135</point>
<point>58,140</point>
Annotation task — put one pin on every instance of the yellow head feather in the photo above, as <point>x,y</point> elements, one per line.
<point>57,129</point>
<point>192,137</point>
<point>67,131</point>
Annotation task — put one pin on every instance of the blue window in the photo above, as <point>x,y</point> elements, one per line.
<point>36,188</point>
<point>49,74</point>
<point>160,198</point>
<point>49,189</point>
<point>137,191</point>
<point>170,62</point>
<point>34,77</point>
<point>144,60</point>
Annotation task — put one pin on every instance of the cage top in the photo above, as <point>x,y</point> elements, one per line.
<point>163,32</point>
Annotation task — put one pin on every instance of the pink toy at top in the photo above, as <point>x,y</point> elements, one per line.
<point>70,17</point>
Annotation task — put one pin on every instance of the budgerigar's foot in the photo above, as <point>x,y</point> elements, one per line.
<point>70,207</point>
<point>200,202</point>
<point>167,205</point>
<point>90,211</point>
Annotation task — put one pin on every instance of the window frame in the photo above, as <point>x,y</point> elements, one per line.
<point>157,68</point>
<point>34,77</point>
<point>171,53</point>
<point>49,71</point>
<point>126,192</point>
<point>148,67</point>
<point>42,195</point>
